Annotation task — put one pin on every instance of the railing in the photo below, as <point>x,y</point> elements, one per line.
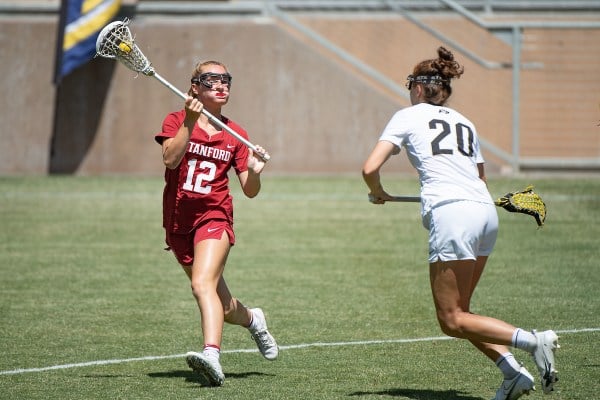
<point>261,6</point>
<point>515,30</point>
<point>510,30</point>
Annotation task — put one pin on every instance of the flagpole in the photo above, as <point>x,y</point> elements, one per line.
<point>62,22</point>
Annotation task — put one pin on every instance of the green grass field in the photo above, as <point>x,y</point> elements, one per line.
<point>92,307</point>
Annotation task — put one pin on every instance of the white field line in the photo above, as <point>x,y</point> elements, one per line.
<point>254,350</point>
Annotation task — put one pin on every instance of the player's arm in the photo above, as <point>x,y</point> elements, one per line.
<point>381,153</point>
<point>174,148</point>
<point>481,171</point>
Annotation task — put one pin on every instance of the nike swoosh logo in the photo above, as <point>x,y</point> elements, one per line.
<point>211,230</point>
<point>507,390</point>
<point>230,146</point>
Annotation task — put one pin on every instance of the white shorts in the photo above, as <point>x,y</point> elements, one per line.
<point>461,230</point>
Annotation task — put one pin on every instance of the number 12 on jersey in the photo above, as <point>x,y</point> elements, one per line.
<point>200,185</point>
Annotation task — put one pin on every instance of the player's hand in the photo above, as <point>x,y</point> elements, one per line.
<point>193,108</point>
<point>379,197</point>
<point>255,163</point>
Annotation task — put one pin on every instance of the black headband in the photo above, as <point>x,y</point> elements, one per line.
<point>426,79</point>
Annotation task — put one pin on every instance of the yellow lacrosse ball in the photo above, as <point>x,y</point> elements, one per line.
<point>124,47</point>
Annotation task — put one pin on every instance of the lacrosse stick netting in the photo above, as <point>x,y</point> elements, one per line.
<point>115,41</point>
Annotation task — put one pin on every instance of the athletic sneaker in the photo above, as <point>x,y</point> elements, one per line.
<point>265,342</point>
<point>547,343</point>
<point>207,366</point>
<point>512,389</point>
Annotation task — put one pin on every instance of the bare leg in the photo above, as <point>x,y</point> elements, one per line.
<point>452,287</point>
<point>492,351</point>
<point>234,311</point>
<point>206,273</point>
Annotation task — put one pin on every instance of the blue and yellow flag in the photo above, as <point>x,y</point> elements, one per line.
<point>80,23</point>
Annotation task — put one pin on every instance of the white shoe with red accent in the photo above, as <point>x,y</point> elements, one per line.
<point>207,366</point>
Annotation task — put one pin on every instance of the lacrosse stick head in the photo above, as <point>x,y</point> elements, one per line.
<point>526,202</point>
<point>116,41</point>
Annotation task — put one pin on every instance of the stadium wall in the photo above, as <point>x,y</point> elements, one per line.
<point>312,111</point>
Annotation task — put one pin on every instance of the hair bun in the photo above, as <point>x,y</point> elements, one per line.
<point>445,54</point>
<point>445,64</point>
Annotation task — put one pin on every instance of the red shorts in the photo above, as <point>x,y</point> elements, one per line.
<point>182,245</point>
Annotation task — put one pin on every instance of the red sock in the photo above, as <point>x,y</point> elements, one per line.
<point>212,347</point>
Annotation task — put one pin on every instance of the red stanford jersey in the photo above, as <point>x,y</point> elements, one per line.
<point>198,189</point>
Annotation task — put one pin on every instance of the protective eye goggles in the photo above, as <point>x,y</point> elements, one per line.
<point>210,79</point>
<point>425,79</point>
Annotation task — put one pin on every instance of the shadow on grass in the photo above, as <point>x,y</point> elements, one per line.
<point>191,376</point>
<point>420,394</point>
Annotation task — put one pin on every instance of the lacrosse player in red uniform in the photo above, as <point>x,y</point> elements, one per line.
<point>460,215</point>
<point>198,210</point>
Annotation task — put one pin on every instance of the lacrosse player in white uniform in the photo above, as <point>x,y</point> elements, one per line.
<point>460,215</point>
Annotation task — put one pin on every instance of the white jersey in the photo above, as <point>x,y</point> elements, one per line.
<point>443,147</point>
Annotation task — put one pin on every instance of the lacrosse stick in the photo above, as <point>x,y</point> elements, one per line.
<point>116,41</point>
<point>525,202</point>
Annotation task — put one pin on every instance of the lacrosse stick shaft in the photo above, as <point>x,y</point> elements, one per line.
<point>212,118</point>
<point>406,199</point>
<point>401,199</point>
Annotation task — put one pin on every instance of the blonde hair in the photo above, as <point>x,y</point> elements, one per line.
<point>198,68</point>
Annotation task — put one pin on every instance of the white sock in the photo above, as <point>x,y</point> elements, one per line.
<point>508,365</point>
<point>524,340</point>
<point>211,351</point>
<point>252,325</point>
